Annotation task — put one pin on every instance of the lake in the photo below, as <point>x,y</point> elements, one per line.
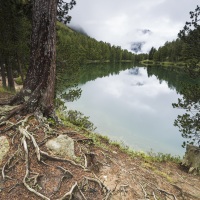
<point>133,104</point>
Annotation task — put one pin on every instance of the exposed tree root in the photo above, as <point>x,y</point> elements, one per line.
<point>7,164</point>
<point>27,171</point>
<point>45,154</point>
<point>31,179</point>
<point>71,179</point>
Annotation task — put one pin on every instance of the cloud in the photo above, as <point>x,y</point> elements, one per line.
<point>124,22</point>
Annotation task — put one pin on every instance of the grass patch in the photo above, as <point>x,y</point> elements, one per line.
<point>5,90</point>
<point>147,62</point>
<point>2,90</point>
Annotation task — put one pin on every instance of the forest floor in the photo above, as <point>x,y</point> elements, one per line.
<point>101,169</point>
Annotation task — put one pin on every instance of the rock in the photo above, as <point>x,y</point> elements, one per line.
<point>4,147</point>
<point>63,146</point>
<point>192,159</point>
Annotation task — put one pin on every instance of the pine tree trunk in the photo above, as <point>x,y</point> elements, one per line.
<point>3,75</point>
<point>20,68</point>
<point>11,84</point>
<point>38,90</point>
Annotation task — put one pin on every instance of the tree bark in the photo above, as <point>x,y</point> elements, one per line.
<point>11,84</point>
<point>20,68</point>
<point>3,75</point>
<point>39,85</point>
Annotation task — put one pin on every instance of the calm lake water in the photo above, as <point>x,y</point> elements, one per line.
<point>133,105</point>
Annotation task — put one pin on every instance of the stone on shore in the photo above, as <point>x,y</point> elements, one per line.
<point>62,146</point>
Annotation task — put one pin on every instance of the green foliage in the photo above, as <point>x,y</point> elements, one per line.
<point>161,157</point>
<point>170,52</point>
<point>74,50</point>
<point>151,53</point>
<point>189,123</point>
<point>72,94</point>
<point>77,118</point>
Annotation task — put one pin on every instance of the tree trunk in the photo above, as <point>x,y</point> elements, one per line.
<point>3,75</point>
<point>11,84</point>
<point>20,68</point>
<point>38,88</point>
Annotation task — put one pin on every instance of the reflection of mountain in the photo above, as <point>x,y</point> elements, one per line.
<point>137,46</point>
<point>134,71</point>
<point>174,77</point>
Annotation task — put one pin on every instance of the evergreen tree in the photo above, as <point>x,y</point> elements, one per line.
<point>151,53</point>
<point>189,123</point>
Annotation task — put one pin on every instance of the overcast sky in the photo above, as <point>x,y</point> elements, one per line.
<point>122,22</point>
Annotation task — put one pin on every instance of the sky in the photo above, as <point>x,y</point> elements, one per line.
<point>127,23</point>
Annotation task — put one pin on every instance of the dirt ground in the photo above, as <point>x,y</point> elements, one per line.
<point>100,171</point>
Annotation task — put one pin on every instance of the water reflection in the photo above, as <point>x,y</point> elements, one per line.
<point>133,105</point>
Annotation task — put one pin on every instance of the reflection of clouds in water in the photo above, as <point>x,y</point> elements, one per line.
<point>122,86</point>
<point>119,106</point>
<point>138,93</point>
<point>140,106</point>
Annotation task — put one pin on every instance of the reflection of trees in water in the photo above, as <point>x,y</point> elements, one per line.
<point>175,78</point>
<point>93,71</point>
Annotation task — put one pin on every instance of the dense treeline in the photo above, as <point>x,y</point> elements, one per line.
<point>169,52</point>
<point>175,51</point>
<point>87,49</point>
<point>73,48</point>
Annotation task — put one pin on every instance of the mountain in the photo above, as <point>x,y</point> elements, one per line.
<point>136,47</point>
